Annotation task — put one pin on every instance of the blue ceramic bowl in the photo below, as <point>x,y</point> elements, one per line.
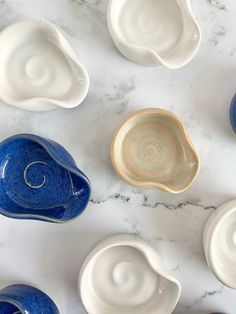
<point>40,180</point>
<point>233,113</point>
<point>22,299</point>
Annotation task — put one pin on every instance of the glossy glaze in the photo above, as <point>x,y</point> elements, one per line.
<point>123,274</point>
<point>233,113</point>
<point>39,69</point>
<point>23,299</point>
<point>40,180</point>
<point>219,241</point>
<point>154,32</point>
<point>152,149</point>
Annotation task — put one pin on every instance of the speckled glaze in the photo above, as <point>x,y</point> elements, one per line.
<point>152,149</point>
<point>40,180</point>
<point>233,113</point>
<point>24,299</point>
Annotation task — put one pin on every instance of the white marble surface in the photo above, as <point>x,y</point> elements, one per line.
<point>49,256</point>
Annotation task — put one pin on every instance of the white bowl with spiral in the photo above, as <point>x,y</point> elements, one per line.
<point>219,242</point>
<point>124,274</point>
<point>39,69</point>
<point>154,32</point>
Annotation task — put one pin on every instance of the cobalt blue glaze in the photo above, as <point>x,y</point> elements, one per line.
<point>40,180</point>
<point>23,299</point>
<point>233,113</point>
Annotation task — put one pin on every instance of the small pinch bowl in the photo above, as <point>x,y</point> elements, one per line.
<point>40,180</point>
<point>24,299</point>
<point>219,243</point>
<point>154,32</point>
<point>39,69</point>
<point>152,149</point>
<point>124,274</point>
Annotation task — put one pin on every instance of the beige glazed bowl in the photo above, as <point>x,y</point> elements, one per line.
<point>152,149</point>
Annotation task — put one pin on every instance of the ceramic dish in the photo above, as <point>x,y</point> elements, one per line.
<point>123,274</point>
<point>39,69</point>
<point>23,299</point>
<point>219,242</point>
<point>40,180</point>
<point>154,32</point>
<point>152,149</point>
<point>233,113</point>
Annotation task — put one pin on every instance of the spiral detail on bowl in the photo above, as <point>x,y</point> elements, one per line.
<point>124,278</point>
<point>28,182</point>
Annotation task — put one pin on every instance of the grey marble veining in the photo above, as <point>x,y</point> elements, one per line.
<point>50,256</point>
<point>218,4</point>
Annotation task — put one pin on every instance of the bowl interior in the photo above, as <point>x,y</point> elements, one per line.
<point>223,249</point>
<point>34,65</point>
<point>153,148</point>
<point>121,280</point>
<point>33,184</point>
<point>8,308</point>
<point>155,31</point>
<point>157,24</point>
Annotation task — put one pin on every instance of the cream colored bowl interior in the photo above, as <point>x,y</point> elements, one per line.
<point>153,149</point>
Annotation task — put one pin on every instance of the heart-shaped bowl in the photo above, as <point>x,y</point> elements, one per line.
<point>152,149</point>
<point>124,274</point>
<point>39,69</point>
<point>40,180</point>
<point>219,242</point>
<point>24,299</point>
<point>154,32</point>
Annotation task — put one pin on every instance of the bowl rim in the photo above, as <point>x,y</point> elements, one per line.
<point>16,304</point>
<point>134,241</point>
<point>152,184</point>
<point>212,226</point>
<point>9,297</point>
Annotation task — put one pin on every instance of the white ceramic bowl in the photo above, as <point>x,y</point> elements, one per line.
<point>154,32</point>
<point>39,69</point>
<point>123,274</point>
<point>219,242</point>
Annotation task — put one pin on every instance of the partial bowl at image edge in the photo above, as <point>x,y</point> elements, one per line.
<point>211,229</point>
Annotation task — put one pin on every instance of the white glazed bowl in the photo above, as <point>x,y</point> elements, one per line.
<point>154,32</point>
<point>39,69</point>
<point>219,242</point>
<point>123,274</point>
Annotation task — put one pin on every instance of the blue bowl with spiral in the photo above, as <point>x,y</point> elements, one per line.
<point>23,299</point>
<point>40,180</point>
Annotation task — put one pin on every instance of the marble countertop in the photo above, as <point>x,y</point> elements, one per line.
<point>50,256</point>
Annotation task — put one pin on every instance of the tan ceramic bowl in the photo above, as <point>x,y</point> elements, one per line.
<point>152,149</point>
